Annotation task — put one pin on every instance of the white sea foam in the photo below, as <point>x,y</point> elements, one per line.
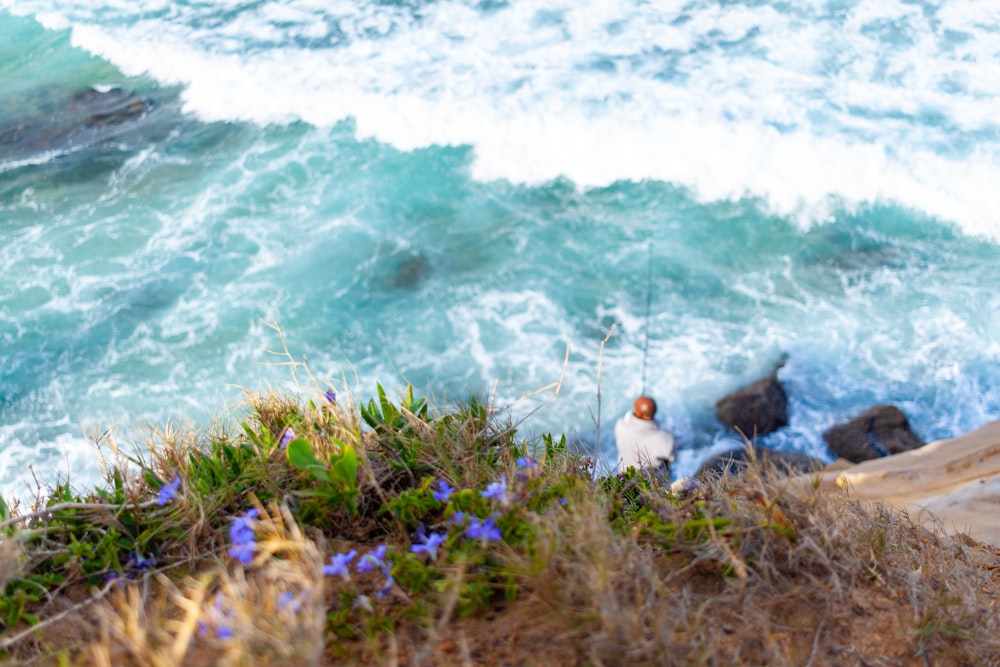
<point>804,109</point>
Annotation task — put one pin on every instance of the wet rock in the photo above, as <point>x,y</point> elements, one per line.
<point>881,431</point>
<point>757,409</point>
<point>735,462</point>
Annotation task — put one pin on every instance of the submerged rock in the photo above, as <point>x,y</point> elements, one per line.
<point>411,271</point>
<point>757,409</point>
<point>86,117</point>
<point>108,107</point>
<point>881,431</point>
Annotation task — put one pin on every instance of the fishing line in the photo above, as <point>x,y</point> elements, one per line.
<point>649,305</point>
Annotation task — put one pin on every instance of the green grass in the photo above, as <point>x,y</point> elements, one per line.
<point>458,524</point>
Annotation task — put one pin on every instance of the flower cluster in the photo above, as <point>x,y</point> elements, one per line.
<point>241,533</point>
<point>338,565</point>
<point>372,561</point>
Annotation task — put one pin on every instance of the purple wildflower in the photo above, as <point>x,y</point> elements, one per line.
<point>330,395</point>
<point>389,583</point>
<point>242,529</point>
<point>486,530</point>
<point>243,552</point>
<point>143,563</point>
<point>458,518</point>
<point>168,492</point>
<point>429,545</point>
<point>338,565</point>
<point>287,437</point>
<point>217,618</point>
<point>373,560</point>
<point>444,491</point>
<point>527,462</point>
<point>287,601</point>
<point>242,535</point>
<point>497,491</point>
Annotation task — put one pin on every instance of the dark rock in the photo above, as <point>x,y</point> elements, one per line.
<point>735,461</point>
<point>881,431</point>
<point>757,409</point>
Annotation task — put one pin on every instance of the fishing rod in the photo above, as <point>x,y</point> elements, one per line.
<point>649,306</point>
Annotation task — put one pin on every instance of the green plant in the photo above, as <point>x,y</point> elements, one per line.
<point>337,477</point>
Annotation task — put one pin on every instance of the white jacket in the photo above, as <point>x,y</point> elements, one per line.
<point>642,443</point>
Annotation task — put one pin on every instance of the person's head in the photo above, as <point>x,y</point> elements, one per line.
<point>644,407</point>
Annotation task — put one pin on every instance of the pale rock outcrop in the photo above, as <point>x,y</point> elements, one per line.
<point>954,483</point>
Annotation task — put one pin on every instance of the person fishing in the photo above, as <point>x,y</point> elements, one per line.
<point>642,442</point>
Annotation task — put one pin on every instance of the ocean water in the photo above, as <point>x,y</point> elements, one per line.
<point>470,195</point>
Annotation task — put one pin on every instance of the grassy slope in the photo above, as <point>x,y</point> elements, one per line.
<point>528,560</point>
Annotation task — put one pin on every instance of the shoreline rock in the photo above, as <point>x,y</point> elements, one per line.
<point>876,433</point>
<point>756,409</point>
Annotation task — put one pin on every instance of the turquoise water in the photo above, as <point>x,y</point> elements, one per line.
<point>468,196</point>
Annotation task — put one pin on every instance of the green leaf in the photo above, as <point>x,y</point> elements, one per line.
<point>152,479</point>
<point>345,466</point>
<point>300,454</point>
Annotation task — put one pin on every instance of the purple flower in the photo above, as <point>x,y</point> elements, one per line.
<point>243,552</point>
<point>287,437</point>
<point>168,492</point>
<point>217,616</point>
<point>330,395</point>
<point>373,560</point>
<point>389,583</point>
<point>429,545</point>
<point>287,601</point>
<point>242,529</point>
<point>458,518</point>
<point>485,530</point>
<point>497,491</point>
<point>444,491</point>
<point>528,462</point>
<point>143,563</point>
<point>338,565</point>
<point>241,533</point>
